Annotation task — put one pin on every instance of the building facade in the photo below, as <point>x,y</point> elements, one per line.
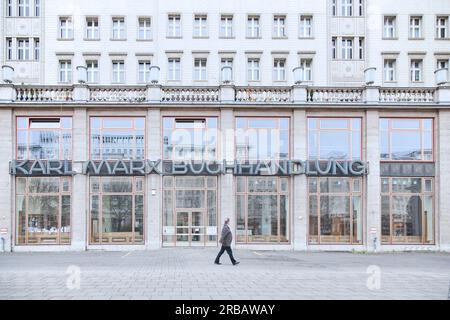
<point>313,125</point>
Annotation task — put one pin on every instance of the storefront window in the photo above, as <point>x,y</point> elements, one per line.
<point>190,139</point>
<point>406,139</point>
<point>43,207</point>
<point>335,210</point>
<point>262,138</point>
<point>334,138</point>
<point>44,138</point>
<point>262,210</point>
<point>189,211</point>
<point>407,210</point>
<point>117,138</point>
<point>117,210</point>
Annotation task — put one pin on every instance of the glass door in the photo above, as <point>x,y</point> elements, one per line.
<point>197,228</point>
<point>182,231</point>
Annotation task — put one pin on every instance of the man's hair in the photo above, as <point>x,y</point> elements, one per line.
<point>227,220</point>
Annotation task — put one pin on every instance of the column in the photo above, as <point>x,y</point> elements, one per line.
<point>154,187</point>
<point>6,195</point>
<point>442,214</point>
<point>227,197</point>
<point>373,205</point>
<point>80,190</point>
<point>299,193</point>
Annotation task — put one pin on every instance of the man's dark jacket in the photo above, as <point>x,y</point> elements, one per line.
<point>226,237</point>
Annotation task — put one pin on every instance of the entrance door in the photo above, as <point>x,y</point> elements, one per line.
<point>190,230</point>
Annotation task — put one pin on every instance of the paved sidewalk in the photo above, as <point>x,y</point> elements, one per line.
<point>178,273</point>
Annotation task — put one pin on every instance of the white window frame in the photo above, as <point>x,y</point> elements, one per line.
<point>174,26</point>
<point>334,51</point>
<point>119,31</point>
<point>9,49</point>
<point>416,69</point>
<point>389,27</point>
<point>118,71</point>
<point>227,62</point>
<point>415,27</point>
<point>174,69</point>
<point>144,31</point>
<point>254,69</point>
<point>253,27</point>
<point>200,69</point>
<point>307,65</point>
<point>390,70</point>
<point>334,12</point>
<point>279,26</point>
<point>347,8</point>
<point>200,26</point>
<point>442,63</point>
<point>23,49</point>
<point>65,28</point>
<point>93,71</point>
<point>92,31</point>
<point>9,8</point>
<point>37,49</point>
<point>347,48</point>
<point>37,8</point>
<point>361,8</point>
<point>144,71</point>
<point>226,26</point>
<point>279,69</point>
<point>361,48</point>
<point>65,71</point>
<point>306,26</point>
<point>442,28</point>
<point>23,8</point>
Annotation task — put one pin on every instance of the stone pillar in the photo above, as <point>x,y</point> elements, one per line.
<point>227,196</point>
<point>227,93</point>
<point>371,94</point>
<point>373,202</point>
<point>154,186</point>
<point>443,94</point>
<point>154,93</point>
<point>6,193</point>
<point>442,214</point>
<point>80,194</point>
<point>7,93</point>
<point>81,93</point>
<point>299,93</point>
<point>299,194</point>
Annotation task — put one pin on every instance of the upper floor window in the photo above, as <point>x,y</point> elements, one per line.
<point>44,138</point>
<point>389,70</point>
<point>279,26</point>
<point>92,28</point>
<point>65,71</point>
<point>23,7</point>
<point>200,26</point>
<point>227,62</point>
<point>37,8</point>
<point>23,49</point>
<point>118,74</point>
<point>144,29</point>
<point>442,64</point>
<point>415,27</point>
<point>253,28</point>
<point>334,138</point>
<point>347,49</point>
<point>334,8</point>
<point>360,48</point>
<point>174,69</point>
<point>37,49</point>
<point>262,138</point>
<point>442,28</point>
<point>9,49</point>
<point>306,27</point>
<point>253,73</point>
<point>200,70</point>
<point>389,28</point>
<point>360,8</point>
<point>306,64</point>
<point>279,70</point>
<point>117,138</point>
<point>65,28</point>
<point>416,70</point>
<point>190,138</point>
<point>226,26</point>
<point>118,29</point>
<point>347,8</point>
<point>92,71</point>
<point>334,48</point>
<point>9,8</point>
<point>174,25</point>
<point>144,71</point>
<point>406,139</point>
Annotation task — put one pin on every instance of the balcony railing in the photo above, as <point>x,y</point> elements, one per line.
<point>44,93</point>
<point>225,94</point>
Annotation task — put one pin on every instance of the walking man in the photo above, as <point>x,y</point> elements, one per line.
<point>225,239</point>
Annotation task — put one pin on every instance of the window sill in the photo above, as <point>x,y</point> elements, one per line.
<point>87,39</point>
<point>441,39</point>
<point>384,38</point>
<point>112,39</point>
<point>279,38</point>
<point>200,37</point>
<point>233,37</point>
<point>306,38</point>
<point>144,40</point>
<point>64,39</point>
<point>28,60</point>
<point>174,37</point>
<point>409,38</point>
<point>253,37</point>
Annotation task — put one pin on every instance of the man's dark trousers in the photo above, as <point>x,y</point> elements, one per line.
<point>230,253</point>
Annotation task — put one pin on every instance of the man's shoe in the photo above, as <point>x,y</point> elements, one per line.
<point>237,262</point>
<point>215,262</point>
